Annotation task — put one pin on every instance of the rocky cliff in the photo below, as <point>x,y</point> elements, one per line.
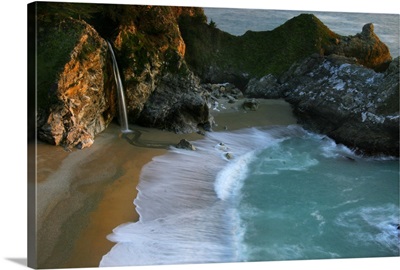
<point>161,90</point>
<point>76,99</point>
<point>76,88</point>
<point>366,47</point>
<point>353,105</point>
<point>167,55</point>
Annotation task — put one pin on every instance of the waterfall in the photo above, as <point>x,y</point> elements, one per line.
<point>123,118</point>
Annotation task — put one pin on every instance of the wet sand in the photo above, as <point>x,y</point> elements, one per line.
<point>84,194</point>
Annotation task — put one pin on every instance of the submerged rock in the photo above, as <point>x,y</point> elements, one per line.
<point>229,156</point>
<point>185,144</point>
<point>250,105</point>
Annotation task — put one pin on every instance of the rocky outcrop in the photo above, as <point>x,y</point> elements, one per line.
<point>250,105</point>
<point>177,105</point>
<point>150,47</point>
<point>185,144</point>
<point>216,56</point>
<point>161,91</point>
<point>352,104</point>
<point>366,47</point>
<point>266,87</point>
<point>83,99</point>
<point>150,52</point>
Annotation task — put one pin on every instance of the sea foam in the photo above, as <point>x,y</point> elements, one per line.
<point>187,202</point>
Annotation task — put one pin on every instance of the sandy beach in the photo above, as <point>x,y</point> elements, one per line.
<point>83,195</point>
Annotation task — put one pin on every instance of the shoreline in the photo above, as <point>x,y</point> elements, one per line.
<point>80,208</point>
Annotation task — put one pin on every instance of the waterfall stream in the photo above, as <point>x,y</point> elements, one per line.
<point>123,118</point>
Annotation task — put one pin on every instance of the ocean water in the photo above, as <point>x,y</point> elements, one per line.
<point>261,194</point>
<point>238,21</point>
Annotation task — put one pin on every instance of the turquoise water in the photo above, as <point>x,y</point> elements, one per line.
<point>307,199</point>
<point>281,194</point>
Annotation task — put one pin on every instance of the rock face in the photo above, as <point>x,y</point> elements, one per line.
<point>176,105</point>
<point>266,87</point>
<point>150,52</point>
<point>352,104</point>
<point>161,91</point>
<point>250,105</point>
<point>84,101</point>
<point>185,144</point>
<point>366,47</point>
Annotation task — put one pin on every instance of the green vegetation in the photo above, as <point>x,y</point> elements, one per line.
<point>256,53</point>
<point>204,44</point>
<point>58,32</point>
<point>174,63</point>
<point>53,12</point>
<point>212,24</point>
<point>88,48</point>
<point>134,53</point>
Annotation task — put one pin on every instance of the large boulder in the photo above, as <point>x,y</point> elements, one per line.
<point>177,105</point>
<point>77,101</point>
<point>354,105</point>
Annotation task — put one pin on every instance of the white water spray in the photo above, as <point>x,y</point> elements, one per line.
<point>120,90</point>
